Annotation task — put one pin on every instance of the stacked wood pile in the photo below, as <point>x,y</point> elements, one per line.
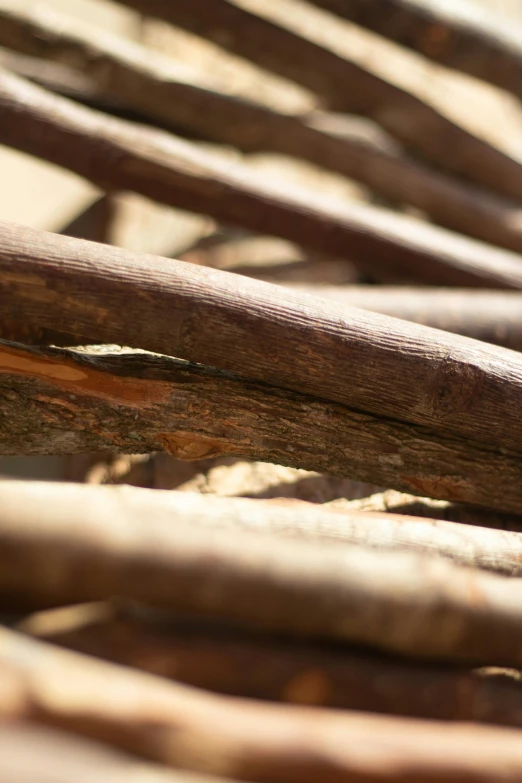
<point>348,311</point>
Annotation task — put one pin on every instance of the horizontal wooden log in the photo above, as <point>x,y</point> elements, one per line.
<point>58,403</point>
<point>268,37</point>
<point>183,727</point>
<point>117,155</point>
<point>124,73</point>
<point>463,36</point>
<point>462,387</point>
<point>214,657</point>
<point>491,316</point>
<point>401,602</point>
<point>32,754</point>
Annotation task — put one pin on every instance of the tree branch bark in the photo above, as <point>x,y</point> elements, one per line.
<point>186,728</point>
<point>401,602</point>
<point>217,658</point>
<point>124,73</point>
<point>491,316</point>
<point>266,37</point>
<point>119,155</point>
<point>462,387</point>
<point>465,37</point>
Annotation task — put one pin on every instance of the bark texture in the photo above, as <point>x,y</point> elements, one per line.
<point>267,37</point>
<point>117,155</point>
<point>124,73</point>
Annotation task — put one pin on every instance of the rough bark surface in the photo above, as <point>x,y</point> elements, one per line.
<point>266,37</point>
<point>124,73</point>
<point>173,723</point>
<point>117,155</point>
<point>364,360</point>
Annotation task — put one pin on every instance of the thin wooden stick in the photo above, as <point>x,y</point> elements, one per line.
<point>119,155</point>
<point>125,72</point>
<point>395,601</point>
<point>491,316</point>
<point>186,728</point>
<point>345,81</point>
<point>465,36</point>
<point>360,359</point>
<point>214,657</point>
<point>58,402</point>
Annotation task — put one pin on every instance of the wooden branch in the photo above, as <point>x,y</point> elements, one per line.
<point>465,544</point>
<point>125,73</point>
<point>32,754</point>
<point>490,316</point>
<point>465,37</point>
<point>183,727</point>
<point>58,402</point>
<point>396,601</point>
<point>346,82</point>
<point>462,387</point>
<point>217,658</point>
<point>119,155</point>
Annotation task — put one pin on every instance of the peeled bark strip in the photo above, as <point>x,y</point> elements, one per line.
<point>187,728</point>
<point>126,73</point>
<point>363,360</point>
<point>491,316</point>
<point>396,601</point>
<point>117,155</point>
<point>267,38</point>
<point>459,35</point>
<point>216,658</point>
<point>68,402</point>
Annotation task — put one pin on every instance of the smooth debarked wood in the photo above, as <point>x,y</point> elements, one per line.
<point>491,316</point>
<point>213,656</point>
<point>367,361</point>
<point>244,740</point>
<point>266,36</point>
<point>460,35</point>
<point>117,155</point>
<point>125,73</point>
<point>401,602</point>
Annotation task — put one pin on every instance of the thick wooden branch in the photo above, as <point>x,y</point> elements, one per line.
<point>460,35</point>
<point>469,545</point>
<point>119,155</point>
<point>364,360</point>
<point>268,38</point>
<point>216,658</point>
<point>483,315</point>
<point>183,727</point>
<point>126,73</point>
<point>396,601</point>
<point>58,402</point>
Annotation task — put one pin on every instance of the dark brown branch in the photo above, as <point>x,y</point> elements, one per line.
<point>483,315</point>
<point>460,35</point>
<point>217,658</point>
<point>268,38</point>
<point>401,602</point>
<point>363,360</point>
<point>119,155</point>
<point>123,72</point>
<point>187,728</point>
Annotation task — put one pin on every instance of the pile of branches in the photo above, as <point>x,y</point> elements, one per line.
<point>167,635</point>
